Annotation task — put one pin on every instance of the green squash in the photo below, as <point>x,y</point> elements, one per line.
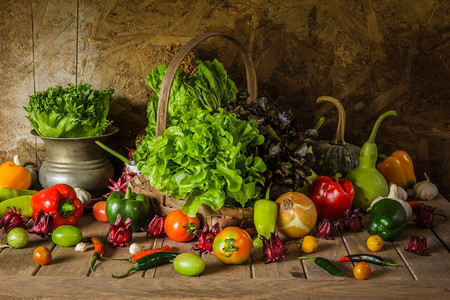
<point>335,156</point>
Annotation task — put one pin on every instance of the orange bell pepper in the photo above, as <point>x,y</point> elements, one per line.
<point>14,176</point>
<point>398,169</point>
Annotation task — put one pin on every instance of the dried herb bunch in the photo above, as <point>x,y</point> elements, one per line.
<point>286,150</point>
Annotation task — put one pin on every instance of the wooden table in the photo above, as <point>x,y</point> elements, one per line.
<point>68,275</point>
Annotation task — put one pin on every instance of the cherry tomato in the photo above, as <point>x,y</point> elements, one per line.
<point>232,245</point>
<point>42,255</point>
<point>362,270</point>
<point>99,210</point>
<point>189,264</point>
<point>180,227</point>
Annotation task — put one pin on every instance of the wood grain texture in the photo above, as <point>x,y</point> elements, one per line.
<point>211,288</point>
<point>16,76</point>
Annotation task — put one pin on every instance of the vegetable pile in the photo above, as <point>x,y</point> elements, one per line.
<point>75,111</point>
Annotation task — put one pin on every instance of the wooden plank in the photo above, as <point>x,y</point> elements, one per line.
<point>435,266</point>
<point>356,243</point>
<point>55,42</point>
<point>211,288</point>
<point>332,250</point>
<point>16,76</point>
<point>288,267</point>
<point>442,225</point>
<point>65,260</point>
<point>20,261</point>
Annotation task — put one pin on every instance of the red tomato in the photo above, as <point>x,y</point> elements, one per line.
<point>99,210</point>
<point>180,227</point>
<point>232,245</point>
<point>42,255</point>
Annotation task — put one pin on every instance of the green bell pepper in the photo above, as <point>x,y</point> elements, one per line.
<point>129,205</point>
<point>387,219</point>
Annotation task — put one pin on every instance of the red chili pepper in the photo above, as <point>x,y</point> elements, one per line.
<point>61,201</point>
<point>141,254</point>
<point>332,196</point>
<point>99,250</point>
<point>135,257</point>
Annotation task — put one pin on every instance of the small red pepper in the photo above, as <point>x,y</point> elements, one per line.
<point>332,196</point>
<point>61,201</point>
<point>99,250</point>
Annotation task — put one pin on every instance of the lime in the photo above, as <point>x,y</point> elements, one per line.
<point>17,238</point>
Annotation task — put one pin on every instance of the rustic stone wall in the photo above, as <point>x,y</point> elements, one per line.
<point>372,55</point>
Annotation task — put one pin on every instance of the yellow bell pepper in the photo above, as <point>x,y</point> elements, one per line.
<point>398,169</point>
<point>14,176</point>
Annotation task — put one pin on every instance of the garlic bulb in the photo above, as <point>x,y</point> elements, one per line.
<point>425,190</point>
<point>397,193</point>
<point>83,195</point>
<point>134,249</point>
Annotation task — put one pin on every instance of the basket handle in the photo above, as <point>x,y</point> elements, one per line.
<point>166,85</point>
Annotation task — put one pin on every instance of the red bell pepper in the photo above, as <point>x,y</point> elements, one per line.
<point>332,196</point>
<point>61,201</point>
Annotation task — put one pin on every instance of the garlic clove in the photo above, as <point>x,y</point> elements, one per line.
<point>135,249</point>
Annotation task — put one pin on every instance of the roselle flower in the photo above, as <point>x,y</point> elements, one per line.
<point>325,229</point>
<point>120,185</point>
<point>206,238</point>
<point>352,221</point>
<point>12,219</point>
<point>424,215</point>
<point>43,224</point>
<point>273,248</point>
<point>120,233</point>
<point>156,227</point>
<point>417,245</point>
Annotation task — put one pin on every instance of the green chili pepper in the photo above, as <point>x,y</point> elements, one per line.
<point>369,183</point>
<point>7,193</point>
<point>129,205</point>
<point>22,202</point>
<point>369,258</point>
<point>149,261</point>
<point>324,264</point>
<point>265,218</point>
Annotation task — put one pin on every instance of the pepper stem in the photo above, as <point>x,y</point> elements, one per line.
<point>319,123</point>
<point>337,176</point>
<point>340,130</point>
<point>128,194</point>
<point>112,152</point>
<point>230,247</point>
<point>373,134</point>
<point>124,274</point>
<point>65,207</point>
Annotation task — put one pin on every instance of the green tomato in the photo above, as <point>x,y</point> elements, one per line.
<point>17,238</point>
<point>189,264</point>
<point>66,235</point>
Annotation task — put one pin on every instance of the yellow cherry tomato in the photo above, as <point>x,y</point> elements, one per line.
<point>375,243</point>
<point>309,244</point>
<point>362,270</point>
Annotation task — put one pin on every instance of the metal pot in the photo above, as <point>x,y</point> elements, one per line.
<point>78,162</point>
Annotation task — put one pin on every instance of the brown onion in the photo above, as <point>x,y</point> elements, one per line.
<point>297,215</point>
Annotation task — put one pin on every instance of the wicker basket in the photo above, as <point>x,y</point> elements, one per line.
<point>163,204</point>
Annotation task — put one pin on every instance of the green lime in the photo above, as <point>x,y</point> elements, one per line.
<point>17,238</point>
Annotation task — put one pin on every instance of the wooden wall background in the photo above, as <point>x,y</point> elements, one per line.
<point>372,55</point>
